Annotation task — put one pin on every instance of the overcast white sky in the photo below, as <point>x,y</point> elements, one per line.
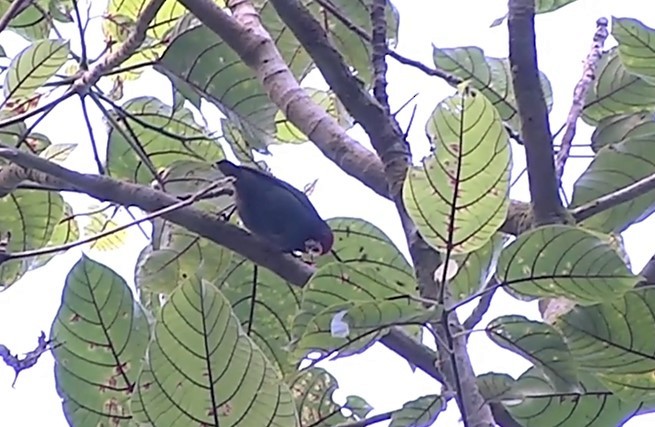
<point>564,38</point>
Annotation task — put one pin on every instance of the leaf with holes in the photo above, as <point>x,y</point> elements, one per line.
<point>338,283</point>
<point>33,66</point>
<point>533,402</point>
<point>181,254</point>
<point>491,76</point>
<point>616,91</point>
<point>614,129</point>
<point>164,136</point>
<point>204,61</point>
<point>201,368</point>
<point>561,260</point>
<point>31,218</point>
<point>636,46</point>
<point>265,305</point>
<point>364,323</point>
<point>539,343</point>
<point>614,167</point>
<point>458,196</point>
<point>103,335</point>
<point>608,341</point>
<point>313,390</point>
<point>421,412</point>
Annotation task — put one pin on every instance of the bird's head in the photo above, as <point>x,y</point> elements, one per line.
<point>321,245</point>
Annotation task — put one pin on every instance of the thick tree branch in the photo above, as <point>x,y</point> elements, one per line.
<point>257,50</point>
<point>535,128</point>
<point>204,224</point>
<point>385,134</point>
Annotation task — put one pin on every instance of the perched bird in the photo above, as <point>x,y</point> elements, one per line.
<point>277,211</point>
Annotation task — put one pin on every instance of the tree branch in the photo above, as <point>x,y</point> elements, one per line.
<point>385,134</point>
<point>204,224</point>
<point>580,94</point>
<point>535,128</point>
<point>614,199</point>
<point>257,50</point>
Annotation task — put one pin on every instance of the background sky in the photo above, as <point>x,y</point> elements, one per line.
<point>564,38</point>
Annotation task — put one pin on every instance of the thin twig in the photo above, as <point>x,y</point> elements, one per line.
<point>84,59</point>
<point>580,94</point>
<point>92,138</point>
<point>483,306</point>
<point>123,52</point>
<point>611,200</point>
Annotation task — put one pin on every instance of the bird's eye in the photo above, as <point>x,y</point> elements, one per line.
<point>313,247</point>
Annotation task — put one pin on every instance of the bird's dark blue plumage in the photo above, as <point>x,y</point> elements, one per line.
<point>277,211</point>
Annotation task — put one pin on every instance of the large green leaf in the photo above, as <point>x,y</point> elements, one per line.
<point>203,369</point>
<point>533,402</point>
<point>613,129</point>
<point>31,218</point>
<point>561,260</point>
<point>338,283</point>
<point>165,136</point>
<point>541,344</point>
<point>33,66</point>
<point>181,254</point>
<point>31,22</point>
<point>636,46</point>
<point>66,231</point>
<point>458,197</point>
<point>103,335</point>
<point>201,59</point>
<point>491,76</point>
<point>616,91</point>
<point>614,167</point>
<point>352,327</point>
<point>608,341</point>
<point>265,305</point>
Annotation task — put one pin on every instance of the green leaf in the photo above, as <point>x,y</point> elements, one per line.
<point>533,402</point>
<point>33,66</point>
<point>607,340</point>
<point>541,344</point>
<point>66,231</point>
<point>541,6</point>
<point>164,134</point>
<point>358,406</point>
<point>474,268</point>
<point>205,62</point>
<point>181,254</point>
<point>312,391</point>
<point>636,46</point>
<point>355,283</point>
<point>265,305</point>
<point>491,76</point>
<point>616,91</point>
<point>359,325</point>
<point>561,260</point>
<point>103,335</point>
<point>613,129</point>
<point>99,223</point>
<point>30,217</point>
<point>615,167</point>
<point>58,153</point>
<point>458,197</point>
<point>202,368</point>
<point>31,23</point>
<point>421,412</point>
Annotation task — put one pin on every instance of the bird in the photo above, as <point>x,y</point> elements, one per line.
<point>278,212</point>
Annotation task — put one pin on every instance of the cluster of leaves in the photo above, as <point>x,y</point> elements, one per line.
<point>227,343</point>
